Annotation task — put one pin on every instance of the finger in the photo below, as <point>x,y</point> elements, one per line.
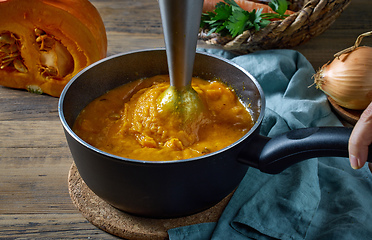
<point>360,139</point>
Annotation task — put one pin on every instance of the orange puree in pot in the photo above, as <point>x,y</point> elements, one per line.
<point>126,122</point>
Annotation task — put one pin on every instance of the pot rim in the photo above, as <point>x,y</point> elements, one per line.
<point>69,131</point>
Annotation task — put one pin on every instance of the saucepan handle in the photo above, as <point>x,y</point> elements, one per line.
<point>273,155</point>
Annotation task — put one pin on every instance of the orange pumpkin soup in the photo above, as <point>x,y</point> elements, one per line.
<point>126,122</point>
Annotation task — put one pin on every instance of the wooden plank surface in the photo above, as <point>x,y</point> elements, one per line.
<point>34,157</point>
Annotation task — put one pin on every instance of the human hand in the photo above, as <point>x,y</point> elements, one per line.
<point>360,139</point>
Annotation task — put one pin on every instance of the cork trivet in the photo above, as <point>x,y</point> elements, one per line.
<point>124,225</point>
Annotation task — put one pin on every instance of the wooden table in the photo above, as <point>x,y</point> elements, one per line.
<point>34,157</point>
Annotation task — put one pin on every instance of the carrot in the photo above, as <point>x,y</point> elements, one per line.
<point>247,5</point>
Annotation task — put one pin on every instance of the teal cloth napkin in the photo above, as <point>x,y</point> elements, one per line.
<point>321,198</point>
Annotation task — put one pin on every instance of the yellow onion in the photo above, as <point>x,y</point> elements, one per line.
<point>348,78</point>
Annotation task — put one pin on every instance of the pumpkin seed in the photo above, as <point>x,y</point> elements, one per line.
<point>39,32</point>
<point>18,64</point>
<point>9,53</point>
<point>6,38</point>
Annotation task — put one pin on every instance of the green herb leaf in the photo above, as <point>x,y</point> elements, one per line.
<point>279,6</point>
<point>237,22</point>
<point>223,12</point>
<point>229,18</point>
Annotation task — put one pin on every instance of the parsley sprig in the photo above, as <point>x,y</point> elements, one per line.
<point>229,18</point>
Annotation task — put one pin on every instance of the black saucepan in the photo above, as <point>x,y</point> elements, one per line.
<point>164,189</point>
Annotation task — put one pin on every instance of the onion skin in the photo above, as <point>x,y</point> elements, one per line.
<point>348,79</point>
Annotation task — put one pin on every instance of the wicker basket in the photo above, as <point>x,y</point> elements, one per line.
<point>312,17</point>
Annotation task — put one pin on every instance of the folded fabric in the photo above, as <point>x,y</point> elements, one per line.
<point>320,198</point>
